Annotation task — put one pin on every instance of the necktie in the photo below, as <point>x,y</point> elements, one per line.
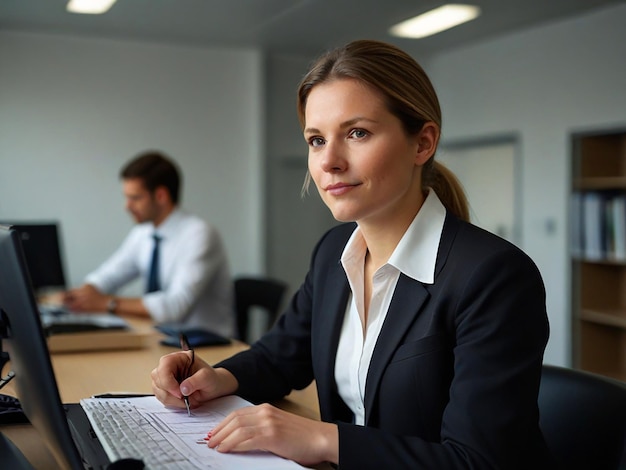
<point>153,275</point>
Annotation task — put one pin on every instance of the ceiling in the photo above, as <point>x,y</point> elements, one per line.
<point>302,27</point>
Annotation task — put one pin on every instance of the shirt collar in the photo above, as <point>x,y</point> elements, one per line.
<point>170,224</point>
<point>416,253</point>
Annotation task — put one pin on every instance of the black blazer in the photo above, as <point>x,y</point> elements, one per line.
<point>454,376</point>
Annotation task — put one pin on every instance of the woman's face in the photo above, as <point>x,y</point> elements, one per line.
<point>366,168</point>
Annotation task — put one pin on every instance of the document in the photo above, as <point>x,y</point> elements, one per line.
<point>187,433</point>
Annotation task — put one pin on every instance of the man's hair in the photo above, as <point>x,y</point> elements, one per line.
<point>154,169</point>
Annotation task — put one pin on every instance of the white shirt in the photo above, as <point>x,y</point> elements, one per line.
<point>196,285</point>
<point>414,256</point>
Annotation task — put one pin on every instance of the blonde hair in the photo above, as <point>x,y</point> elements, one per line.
<point>408,93</point>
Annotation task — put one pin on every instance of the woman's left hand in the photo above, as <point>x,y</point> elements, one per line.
<point>265,427</point>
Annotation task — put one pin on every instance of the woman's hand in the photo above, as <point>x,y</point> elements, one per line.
<point>203,384</point>
<point>265,427</point>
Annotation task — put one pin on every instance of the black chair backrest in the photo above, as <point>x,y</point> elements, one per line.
<point>260,292</point>
<point>583,418</point>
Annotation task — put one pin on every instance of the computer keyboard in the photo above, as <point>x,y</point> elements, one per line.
<point>125,432</point>
<point>56,320</point>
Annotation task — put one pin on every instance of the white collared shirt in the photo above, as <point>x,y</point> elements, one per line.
<point>414,256</point>
<point>196,285</point>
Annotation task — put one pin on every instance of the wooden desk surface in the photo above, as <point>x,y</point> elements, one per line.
<point>83,374</point>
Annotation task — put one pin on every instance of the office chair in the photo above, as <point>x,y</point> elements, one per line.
<point>260,292</point>
<point>583,418</point>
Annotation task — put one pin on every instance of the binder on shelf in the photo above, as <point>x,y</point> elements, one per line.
<point>577,245</point>
<point>619,227</point>
<point>593,226</point>
<point>598,229</point>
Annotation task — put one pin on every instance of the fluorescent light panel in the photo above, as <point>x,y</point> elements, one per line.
<point>435,21</point>
<point>91,7</point>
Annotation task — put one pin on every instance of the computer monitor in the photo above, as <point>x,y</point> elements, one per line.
<point>23,338</point>
<point>41,244</point>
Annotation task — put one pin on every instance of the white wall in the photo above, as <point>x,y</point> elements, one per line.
<point>295,224</point>
<point>74,110</point>
<point>541,84</point>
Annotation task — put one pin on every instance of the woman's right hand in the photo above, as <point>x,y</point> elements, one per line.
<point>205,383</point>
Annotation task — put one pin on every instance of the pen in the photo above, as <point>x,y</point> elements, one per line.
<point>184,345</point>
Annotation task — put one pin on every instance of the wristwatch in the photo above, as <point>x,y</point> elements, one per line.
<point>112,305</point>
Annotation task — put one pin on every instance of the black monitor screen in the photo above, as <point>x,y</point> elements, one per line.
<point>28,352</point>
<point>41,245</point>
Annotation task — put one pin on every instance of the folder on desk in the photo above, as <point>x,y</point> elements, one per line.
<point>196,337</point>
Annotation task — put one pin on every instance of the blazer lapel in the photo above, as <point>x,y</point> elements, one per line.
<point>407,301</point>
<point>328,321</point>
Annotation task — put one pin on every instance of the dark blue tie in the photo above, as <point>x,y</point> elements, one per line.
<point>153,274</point>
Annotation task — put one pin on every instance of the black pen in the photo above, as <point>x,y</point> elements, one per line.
<point>122,395</point>
<point>184,345</point>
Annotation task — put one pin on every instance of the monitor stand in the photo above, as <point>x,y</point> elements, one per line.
<point>10,407</point>
<point>11,457</point>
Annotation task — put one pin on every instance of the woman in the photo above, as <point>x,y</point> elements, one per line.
<point>425,334</point>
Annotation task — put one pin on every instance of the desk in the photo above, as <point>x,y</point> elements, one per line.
<point>83,374</point>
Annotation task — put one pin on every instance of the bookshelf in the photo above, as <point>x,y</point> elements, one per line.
<point>598,252</point>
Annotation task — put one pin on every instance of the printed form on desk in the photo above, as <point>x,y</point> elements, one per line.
<point>177,439</point>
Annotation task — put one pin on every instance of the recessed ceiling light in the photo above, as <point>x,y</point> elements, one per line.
<point>435,21</point>
<point>92,7</point>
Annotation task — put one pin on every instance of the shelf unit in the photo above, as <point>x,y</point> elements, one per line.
<point>599,281</point>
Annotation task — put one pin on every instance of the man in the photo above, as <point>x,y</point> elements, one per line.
<point>190,282</point>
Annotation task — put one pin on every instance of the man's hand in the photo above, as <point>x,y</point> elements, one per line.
<point>86,298</point>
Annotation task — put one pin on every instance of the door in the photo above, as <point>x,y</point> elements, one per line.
<point>487,171</point>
